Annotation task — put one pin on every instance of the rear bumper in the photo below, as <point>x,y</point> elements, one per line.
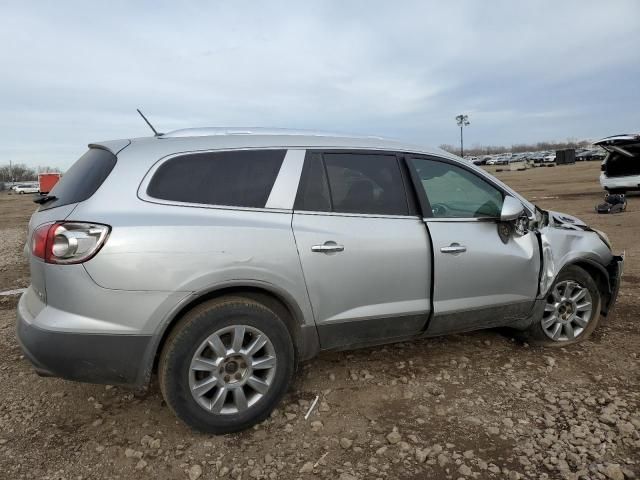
<point>629,182</point>
<point>615,269</point>
<point>86,357</point>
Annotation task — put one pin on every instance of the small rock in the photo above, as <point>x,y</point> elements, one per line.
<point>316,425</point>
<point>394,437</point>
<point>128,452</point>
<point>195,472</point>
<point>465,470</point>
<point>473,420</point>
<point>614,472</point>
<point>346,443</point>
<point>307,467</point>
<point>442,459</point>
<point>422,454</point>
<point>141,464</point>
<point>346,476</point>
<point>404,446</point>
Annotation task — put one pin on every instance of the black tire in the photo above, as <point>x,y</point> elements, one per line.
<point>185,339</point>
<point>536,333</point>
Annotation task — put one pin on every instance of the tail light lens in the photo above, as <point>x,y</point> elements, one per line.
<point>68,242</point>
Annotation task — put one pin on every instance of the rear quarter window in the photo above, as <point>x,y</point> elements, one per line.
<point>82,180</point>
<point>242,178</point>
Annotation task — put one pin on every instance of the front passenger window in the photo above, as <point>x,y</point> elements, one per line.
<point>454,192</point>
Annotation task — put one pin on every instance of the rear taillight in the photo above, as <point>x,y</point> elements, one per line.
<point>68,242</point>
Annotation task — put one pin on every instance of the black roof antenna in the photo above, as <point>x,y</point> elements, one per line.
<point>155,133</point>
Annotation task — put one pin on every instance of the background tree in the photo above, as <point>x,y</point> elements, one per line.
<point>17,172</point>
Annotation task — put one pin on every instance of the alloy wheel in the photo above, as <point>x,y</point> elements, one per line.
<point>567,312</point>
<point>232,369</point>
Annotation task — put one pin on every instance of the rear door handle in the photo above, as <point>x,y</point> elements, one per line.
<point>327,247</point>
<point>454,248</point>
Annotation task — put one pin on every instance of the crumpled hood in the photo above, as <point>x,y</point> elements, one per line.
<point>564,220</point>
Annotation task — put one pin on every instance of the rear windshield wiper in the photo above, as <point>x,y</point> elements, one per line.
<point>44,199</point>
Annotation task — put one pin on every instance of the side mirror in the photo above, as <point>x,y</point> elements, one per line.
<point>512,209</point>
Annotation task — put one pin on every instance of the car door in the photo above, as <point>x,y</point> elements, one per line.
<point>364,250</point>
<point>485,274</point>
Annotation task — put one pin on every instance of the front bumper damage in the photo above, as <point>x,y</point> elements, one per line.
<point>614,269</point>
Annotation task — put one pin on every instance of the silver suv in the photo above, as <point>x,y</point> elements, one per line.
<point>221,258</point>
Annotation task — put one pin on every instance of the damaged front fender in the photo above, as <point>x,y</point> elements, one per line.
<point>567,240</point>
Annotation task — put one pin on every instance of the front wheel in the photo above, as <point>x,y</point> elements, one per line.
<point>571,311</point>
<point>226,365</point>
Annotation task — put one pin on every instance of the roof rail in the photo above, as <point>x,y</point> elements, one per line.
<point>213,131</point>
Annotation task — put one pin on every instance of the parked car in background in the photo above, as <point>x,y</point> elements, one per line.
<point>503,160</point>
<point>549,158</point>
<point>25,188</point>
<point>482,160</point>
<point>621,167</point>
<point>537,157</point>
<point>590,155</point>
<point>224,257</point>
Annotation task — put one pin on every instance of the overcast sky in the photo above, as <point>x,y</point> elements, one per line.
<point>74,72</point>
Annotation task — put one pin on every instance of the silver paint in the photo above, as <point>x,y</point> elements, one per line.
<point>162,255</point>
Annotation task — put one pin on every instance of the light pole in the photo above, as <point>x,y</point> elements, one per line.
<point>463,121</point>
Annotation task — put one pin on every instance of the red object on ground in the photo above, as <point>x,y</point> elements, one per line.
<point>46,181</point>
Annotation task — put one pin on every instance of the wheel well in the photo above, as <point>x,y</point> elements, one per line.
<point>601,279</point>
<point>265,297</point>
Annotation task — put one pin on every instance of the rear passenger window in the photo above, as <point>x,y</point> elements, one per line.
<point>353,183</point>
<point>242,178</point>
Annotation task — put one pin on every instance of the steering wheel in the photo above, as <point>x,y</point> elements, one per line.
<point>439,209</point>
<point>486,209</point>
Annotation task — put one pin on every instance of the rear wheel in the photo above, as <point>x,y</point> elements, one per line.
<point>226,365</point>
<point>571,312</point>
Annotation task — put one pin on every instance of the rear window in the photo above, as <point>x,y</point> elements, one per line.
<point>242,178</point>
<point>82,179</point>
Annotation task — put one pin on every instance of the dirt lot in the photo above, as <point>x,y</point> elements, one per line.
<point>478,405</point>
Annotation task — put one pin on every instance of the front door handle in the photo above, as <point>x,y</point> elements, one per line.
<point>454,248</point>
<point>327,247</point>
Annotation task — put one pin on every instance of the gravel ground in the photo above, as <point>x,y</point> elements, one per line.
<point>478,405</point>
